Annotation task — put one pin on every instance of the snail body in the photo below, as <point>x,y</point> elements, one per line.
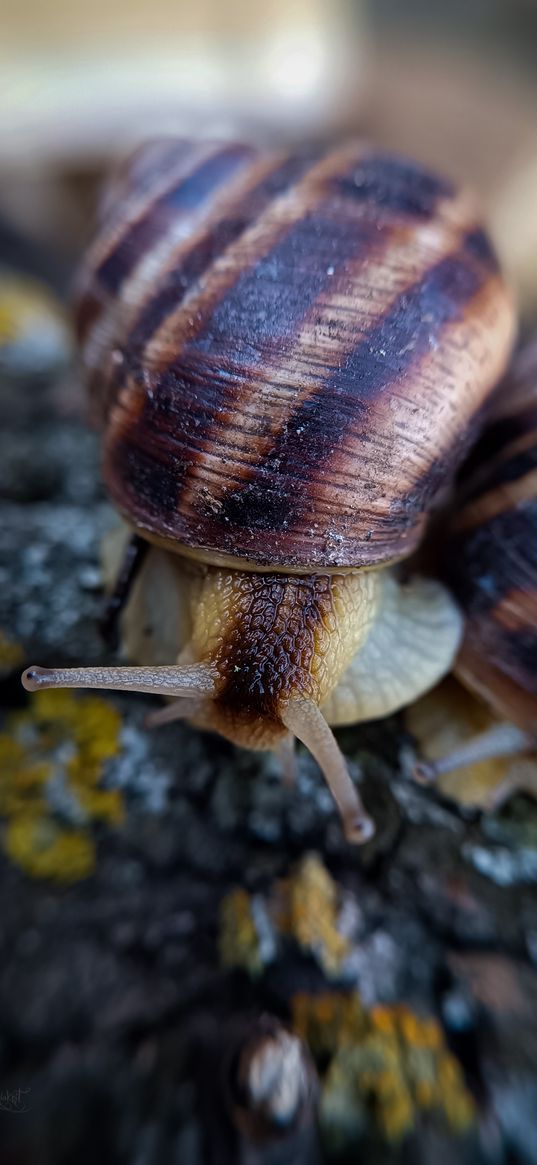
<point>268,635</point>
<point>289,354</point>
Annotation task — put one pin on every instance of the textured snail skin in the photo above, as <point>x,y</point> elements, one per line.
<point>358,644</point>
<point>289,352</point>
<point>269,635</point>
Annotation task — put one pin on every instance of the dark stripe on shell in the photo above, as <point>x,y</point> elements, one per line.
<point>219,235</point>
<point>133,180</point>
<point>382,360</point>
<point>486,563</point>
<point>502,666</point>
<point>187,194</point>
<point>255,319</point>
<point>394,185</point>
<point>154,479</point>
<point>496,471</point>
<point>269,299</point>
<point>88,311</point>
<point>520,647</point>
<point>478,244</point>
<point>138,172</point>
<point>495,655</point>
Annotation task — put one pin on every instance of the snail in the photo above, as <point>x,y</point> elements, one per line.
<point>290,353</point>
<point>490,564</point>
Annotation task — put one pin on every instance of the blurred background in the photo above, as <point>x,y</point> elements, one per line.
<point>171,939</point>
<point>453,84</point>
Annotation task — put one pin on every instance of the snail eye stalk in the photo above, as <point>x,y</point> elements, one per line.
<point>186,680</point>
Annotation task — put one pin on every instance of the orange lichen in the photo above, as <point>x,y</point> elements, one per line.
<point>60,737</point>
<point>385,1066</point>
<point>329,1021</point>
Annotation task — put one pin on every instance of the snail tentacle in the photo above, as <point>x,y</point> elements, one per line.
<point>500,740</point>
<point>187,680</point>
<point>304,719</point>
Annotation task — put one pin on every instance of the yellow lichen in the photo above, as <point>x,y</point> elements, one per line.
<point>89,721</point>
<point>11,652</point>
<point>32,322</point>
<point>385,1065</point>
<point>302,907</point>
<point>44,849</point>
<point>66,738</point>
<point>305,908</point>
<point>386,1062</point>
<point>239,942</point>
<point>21,779</point>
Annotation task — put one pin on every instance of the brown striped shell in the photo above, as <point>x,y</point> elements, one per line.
<point>491,555</point>
<point>290,351</point>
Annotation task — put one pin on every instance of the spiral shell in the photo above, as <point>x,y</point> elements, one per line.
<point>491,559</point>
<point>289,351</point>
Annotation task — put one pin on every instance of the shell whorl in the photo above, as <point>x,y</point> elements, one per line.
<point>290,351</point>
<point>491,565</point>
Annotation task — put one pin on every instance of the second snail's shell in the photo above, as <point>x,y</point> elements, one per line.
<point>491,555</point>
<point>290,351</point>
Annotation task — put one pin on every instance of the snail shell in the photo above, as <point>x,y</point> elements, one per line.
<point>491,555</point>
<point>289,351</point>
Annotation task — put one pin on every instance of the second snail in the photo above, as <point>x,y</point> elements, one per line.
<point>488,557</point>
<point>290,355</point>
